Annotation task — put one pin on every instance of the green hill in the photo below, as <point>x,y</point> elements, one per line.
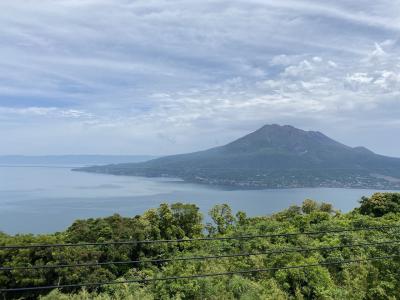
<point>347,256</point>
<point>273,157</point>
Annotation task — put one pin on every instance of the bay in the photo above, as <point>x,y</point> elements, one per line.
<point>43,199</point>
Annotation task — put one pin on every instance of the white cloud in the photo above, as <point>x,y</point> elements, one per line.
<point>388,80</point>
<point>332,64</point>
<point>149,72</point>
<point>52,112</point>
<point>359,78</point>
<point>300,69</point>
<point>317,59</point>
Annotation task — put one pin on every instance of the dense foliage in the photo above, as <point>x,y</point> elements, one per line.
<point>380,204</point>
<point>378,279</point>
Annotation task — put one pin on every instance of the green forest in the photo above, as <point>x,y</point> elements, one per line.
<point>327,276</point>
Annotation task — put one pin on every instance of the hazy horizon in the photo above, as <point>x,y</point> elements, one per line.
<point>150,155</point>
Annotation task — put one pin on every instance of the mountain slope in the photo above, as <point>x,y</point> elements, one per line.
<point>271,157</point>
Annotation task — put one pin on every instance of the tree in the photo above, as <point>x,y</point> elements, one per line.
<point>188,218</point>
<point>380,204</point>
<point>222,217</point>
<point>326,207</point>
<point>309,206</point>
<point>375,279</point>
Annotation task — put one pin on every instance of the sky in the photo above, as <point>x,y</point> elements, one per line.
<point>161,77</point>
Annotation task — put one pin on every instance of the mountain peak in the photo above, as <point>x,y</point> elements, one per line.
<point>279,127</point>
<point>287,128</point>
<point>274,156</point>
<point>282,138</point>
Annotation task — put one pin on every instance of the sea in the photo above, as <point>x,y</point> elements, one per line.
<point>44,199</point>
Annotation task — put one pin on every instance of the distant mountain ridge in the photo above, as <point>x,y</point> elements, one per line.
<point>274,156</point>
<point>73,160</point>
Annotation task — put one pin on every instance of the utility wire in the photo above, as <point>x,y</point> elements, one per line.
<point>189,258</point>
<point>244,237</point>
<point>48,287</point>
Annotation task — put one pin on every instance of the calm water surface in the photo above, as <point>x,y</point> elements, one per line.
<point>48,199</point>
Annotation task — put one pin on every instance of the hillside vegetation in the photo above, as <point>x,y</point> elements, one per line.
<point>379,279</point>
<point>273,157</point>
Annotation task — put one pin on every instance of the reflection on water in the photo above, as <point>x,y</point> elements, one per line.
<point>48,199</point>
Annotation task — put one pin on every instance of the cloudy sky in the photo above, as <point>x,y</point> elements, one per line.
<point>162,77</point>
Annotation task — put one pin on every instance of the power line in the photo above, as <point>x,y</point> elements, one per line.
<point>196,275</point>
<point>128,242</point>
<point>189,258</point>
